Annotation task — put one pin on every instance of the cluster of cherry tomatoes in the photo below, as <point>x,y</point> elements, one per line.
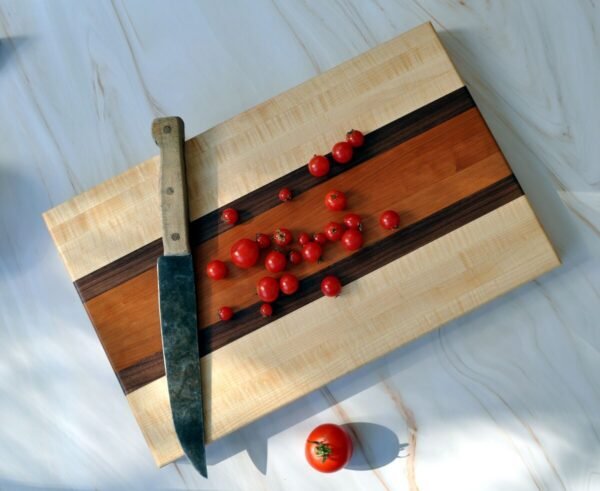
<point>245,253</point>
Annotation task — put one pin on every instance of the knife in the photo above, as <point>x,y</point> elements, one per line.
<point>177,295</point>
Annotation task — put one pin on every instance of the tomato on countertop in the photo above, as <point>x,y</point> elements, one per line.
<point>328,448</point>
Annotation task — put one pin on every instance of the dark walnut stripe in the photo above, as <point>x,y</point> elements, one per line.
<point>265,197</point>
<point>349,269</point>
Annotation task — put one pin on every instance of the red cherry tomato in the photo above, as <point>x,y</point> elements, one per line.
<point>389,220</point>
<point>285,194</point>
<point>342,152</point>
<point>267,289</point>
<point>275,262</point>
<point>312,252</point>
<point>334,231</point>
<point>303,238</point>
<point>331,286</point>
<point>288,284</point>
<point>263,241</point>
<point>336,200</point>
<point>352,240</point>
<point>355,138</point>
<point>225,313</point>
<point>328,448</point>
<point>282,237</point>
<point>352,220</point>
<point>216,270</point>
<point>266,310</point>
<point>295,257</point>
<point>320,238</point>
<point>318,166</point>
<point>244,253</point>
<point>230,216</point>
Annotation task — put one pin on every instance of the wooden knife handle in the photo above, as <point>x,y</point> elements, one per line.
<point>168,134</point>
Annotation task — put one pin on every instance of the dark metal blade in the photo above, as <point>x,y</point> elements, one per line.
<point>179,328</point>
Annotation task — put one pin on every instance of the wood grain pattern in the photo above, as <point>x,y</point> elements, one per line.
<point>434,170</point>
<point>265,197</point>
<point>420,177</point>
<point>258,146</point>
<point>283,360</point>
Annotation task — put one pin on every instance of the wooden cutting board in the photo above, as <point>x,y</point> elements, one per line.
<point>468,235</point>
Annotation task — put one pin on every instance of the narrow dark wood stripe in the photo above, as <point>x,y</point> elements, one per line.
<point>265,197</point>
<point>349,269</point>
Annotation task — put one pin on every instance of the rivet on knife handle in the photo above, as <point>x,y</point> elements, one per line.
<point>168,135</point>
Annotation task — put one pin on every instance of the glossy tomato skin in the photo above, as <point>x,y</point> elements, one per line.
<point>336,200</point>
<point>225,313</point>
<point>244,253</point>
<point>352,240</point>
<point>334,231</point>
<point>275,262</point>
<point>352,220</point>
<point>355,138</point>
<point>267,289</point>
<point>331,286</point>
<point>342,152</point>
<point>312,252</point>
<point>328,448</point>
<point>389,220</point>
<point>263,241</point>
<point>285,194</point>
<point>266,310</point>
<point>320,238</point>
<point>295,257</point>
<point>230,216</point>
<point>282,237</point>
<point>303,238</point>
<point>318,166</point>
<point>288,284</point>
<point>216,270</point>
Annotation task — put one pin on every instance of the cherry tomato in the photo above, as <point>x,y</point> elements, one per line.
<point>331,286</point>
<point>334,231</point>
<point>282,237</point>
<point>288,284</point>
<point>328,448</point>
<point>352,220</point>
<point>216,270</point>
<point>352,239</point>
<point>312,252</point>
<point>275,262</point>
<point>263,241</point>
<point>303,238</point>
<point>294,257</point>
<point>285,194</point>
<point>244,253</point>
<point>266,310</point>
<point>318,166</point>
<point>342,152</point>
<point>336,200</point>
<point>320,238</point>
<point>230,216</point>
<point>355,138</point>
<point>267,289</point>
<point>389,220</point>
<point>225,313</point>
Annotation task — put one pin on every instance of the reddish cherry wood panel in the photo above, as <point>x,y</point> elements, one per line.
<point>417,178</point>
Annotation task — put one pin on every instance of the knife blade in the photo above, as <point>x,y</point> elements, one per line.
<point>177,295</point>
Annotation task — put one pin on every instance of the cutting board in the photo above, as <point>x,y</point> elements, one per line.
<point>468,235</point>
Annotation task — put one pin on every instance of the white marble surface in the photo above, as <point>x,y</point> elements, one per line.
<point>507,398</point>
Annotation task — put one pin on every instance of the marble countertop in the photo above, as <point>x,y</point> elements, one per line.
<point>506,398</point>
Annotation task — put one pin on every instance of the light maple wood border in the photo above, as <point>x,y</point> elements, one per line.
<point>254,148</point>
<point>393,305</point>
